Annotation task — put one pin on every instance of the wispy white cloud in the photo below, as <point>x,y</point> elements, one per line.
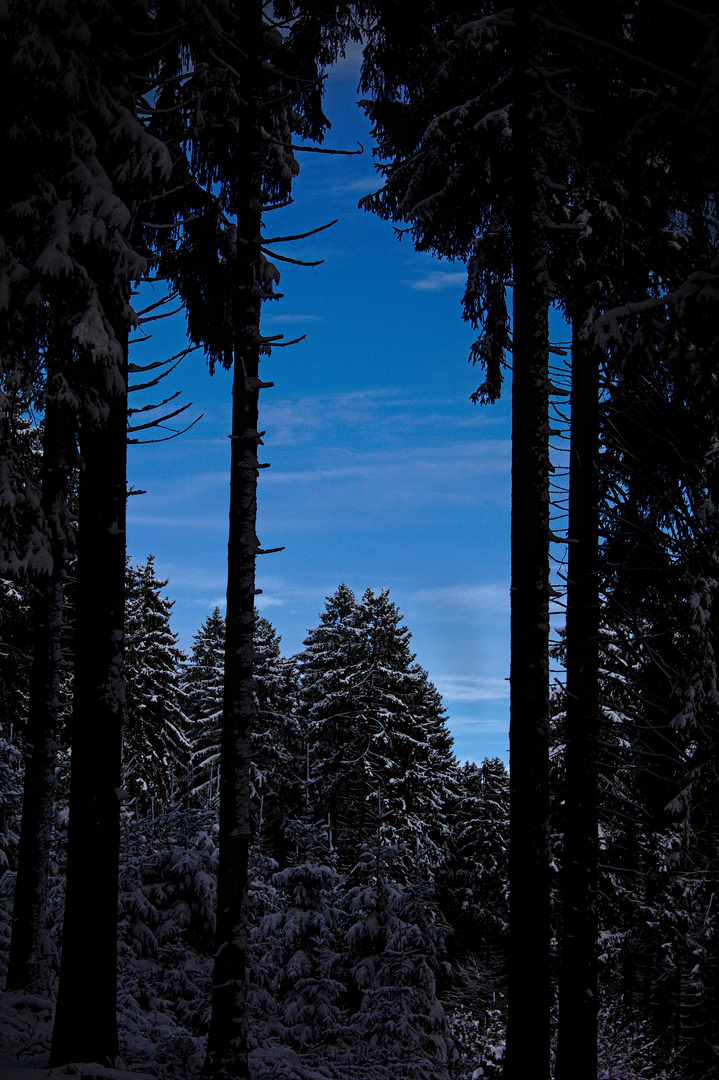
<point>439,279</point>
<point>287,318</point>
<point>391,414</point>
<point>293,421</point>
<point>405,471</point>
<point>360,185</point>
<point>264,601</point>
<point>465,726</point>
<point>396,410</point>
<point>196,578</point>
<point>278,591</point>
<point>180,521</point>
<point>471,688</point>
<point>449,602</point>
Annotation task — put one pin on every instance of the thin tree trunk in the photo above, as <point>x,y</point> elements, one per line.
<point>85,1018</point>
<point>577,1032</point>
<point>27,965</point>
<point>528,1030</point>
<point>227,1042</point>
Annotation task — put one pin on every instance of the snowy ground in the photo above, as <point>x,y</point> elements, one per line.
<point>15,1070</point>
<point>25,1027</point>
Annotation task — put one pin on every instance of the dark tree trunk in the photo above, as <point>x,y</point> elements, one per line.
<point>577,1033</point>
<point>27,966</point>
<point>227,1042</point>
<point>528,1030</point>
<point>85,1018</point>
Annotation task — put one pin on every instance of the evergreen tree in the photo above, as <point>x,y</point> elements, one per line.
<point>155,744</point>
<point>15,652</point>
<point>303,943</point>
<point>237,139</point>
<point>37,541</point>
<point>71,252</point>
<point>575,102</point>
<point>167,912</point>
<point>373,720</point>
<point>477,878</point>
<point>277,752</point>
<point>331,668</point>
<point>202,682</point>
<point>27,967</point>
<point>474,161</point>
<point>112,166</point>
<point>394,947</point>
<point>277,759</point>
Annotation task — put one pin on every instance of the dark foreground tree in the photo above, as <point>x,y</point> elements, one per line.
<point>460,118</point>
<point>108,165</point>
<point>528,1032</point>
<point>28,963</point>
<point>251,71</point>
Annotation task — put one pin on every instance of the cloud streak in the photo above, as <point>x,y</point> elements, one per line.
<point>471,688</point>
<point>286,318</point>
<point>437,280</point>
<point>389,414</point>
<point>464,726</point>
<point>453,601</point>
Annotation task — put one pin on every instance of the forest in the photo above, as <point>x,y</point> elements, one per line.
<point>237,863</point>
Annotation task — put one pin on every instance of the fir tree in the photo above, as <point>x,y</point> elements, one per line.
<point>331,668</point>
<point>71,252</point>
<point>373,720</point>
<point>303,949</point>
<point>478,887</point>
<point>277,758</point>
<point>202,682</point>
<point>155,745</point>
<point>394,953</point>
<point>238,143</point>
<point>277,751</point>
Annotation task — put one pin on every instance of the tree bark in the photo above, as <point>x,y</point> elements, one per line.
<point>528,1028</point>
<point>85,1026</point>
<point>577,1032</point>
<point>227,1042</point>
<point>27,966</point>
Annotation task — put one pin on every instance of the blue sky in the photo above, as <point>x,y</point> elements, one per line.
<point>383,473</point>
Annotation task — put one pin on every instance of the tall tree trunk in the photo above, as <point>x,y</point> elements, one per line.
<point>528,1030</point>
<point>27,966</point>
<point>577,1033</point>
<point>227,1042</point>
<point>85,1018</point>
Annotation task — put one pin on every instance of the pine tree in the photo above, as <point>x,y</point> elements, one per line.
<point>331,668</point>
<point>394,947</point>
<point>303,958</point>
<point>104,167</point>
<point>588,170</point>
<point>36,541</point>
<point>475,164</point>
<point>27,967</point>
<point>277,758</point>
<point>237,141</point>
<point>477,884</point>
<point>155,744</point>
<point>15,652</point>
<point>202,682</point>
<point>83,165</point>
<point>168,875</point>
<point>277,751</point>
<point>372,719</point>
